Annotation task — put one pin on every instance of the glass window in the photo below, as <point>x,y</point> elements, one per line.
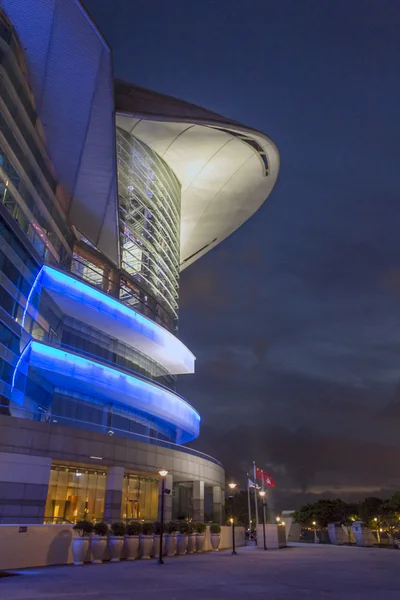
<point>75,493</point>
<point>139,498</point>
<point>9,339</point>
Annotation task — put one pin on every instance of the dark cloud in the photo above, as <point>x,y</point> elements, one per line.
<point>295,319</point>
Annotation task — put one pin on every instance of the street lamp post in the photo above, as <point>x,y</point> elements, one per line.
<point>163,473</point>
<point>316,540</point>
<point>262,494</point>
<point>232,487</point>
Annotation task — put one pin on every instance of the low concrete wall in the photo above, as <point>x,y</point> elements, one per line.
<point>363,534</point>
<point>275,536</point>
<point>226,538</point>
<point>42,545</point>
<point>38,546</point>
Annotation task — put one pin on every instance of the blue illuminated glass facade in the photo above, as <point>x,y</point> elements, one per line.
<point>88,314</point>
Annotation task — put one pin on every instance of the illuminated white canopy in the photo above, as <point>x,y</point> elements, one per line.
<point>226,170</point>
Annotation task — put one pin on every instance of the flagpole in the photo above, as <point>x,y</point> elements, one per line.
<point>248,500</point>
<point>265,500</point>
<point>255,493</point>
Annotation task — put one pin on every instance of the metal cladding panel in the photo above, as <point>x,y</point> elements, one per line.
<point>70,70</point>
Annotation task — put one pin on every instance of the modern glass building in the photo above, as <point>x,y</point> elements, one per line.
<point>108,191</point>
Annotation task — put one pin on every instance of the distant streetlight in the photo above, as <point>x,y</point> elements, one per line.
<point>163,473</point>
<point>316,540</point>
<point>232,486</point>
<point>262,494</point>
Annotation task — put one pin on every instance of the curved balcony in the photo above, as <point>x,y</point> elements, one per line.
<point>80,375</point>
<point>105,313</point>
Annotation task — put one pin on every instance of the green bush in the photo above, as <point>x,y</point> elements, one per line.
<point>134,528</point>
<point>215,528</point>
<point>183,527</point>
<point>173,527</point>
<point>118,528</point>
<point>157,525</point>
<point>100,528</point>
<point>200,527</point>
<point>84,528</point>
<point>148,528</point>
<point>192,527</point>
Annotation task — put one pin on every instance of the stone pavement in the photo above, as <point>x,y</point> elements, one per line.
<point>306,572</point>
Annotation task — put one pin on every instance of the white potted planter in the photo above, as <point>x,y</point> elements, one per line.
<point>170,543</point>
<point>215,535</point>
<point>182,543</point>
<point>147,540</point>
<point>132,540</point>
<point>98,543</point>
<point>116,541</point>
<point>191,549</point>
<point>131,546</point>
<point>200,536</point>
<point>81,542</point>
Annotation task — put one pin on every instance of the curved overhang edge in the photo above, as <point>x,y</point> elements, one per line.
<point>273,158</point>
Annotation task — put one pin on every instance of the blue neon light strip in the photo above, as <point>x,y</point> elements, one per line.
<point>167,350</point>
<point>32,291</point>
<point>68,370</point>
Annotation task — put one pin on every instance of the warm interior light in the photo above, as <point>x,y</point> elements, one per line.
<point>163,473</point>
<point>232,486</point>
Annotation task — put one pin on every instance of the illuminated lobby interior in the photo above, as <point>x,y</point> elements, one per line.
<point>108,191</point>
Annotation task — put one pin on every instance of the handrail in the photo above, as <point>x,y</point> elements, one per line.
<point>47,417</point>
<point>120,368</point>
<point>106,361</point>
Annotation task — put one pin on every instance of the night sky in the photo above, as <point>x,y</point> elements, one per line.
<point>295,319</point>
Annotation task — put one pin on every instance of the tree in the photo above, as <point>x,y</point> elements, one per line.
<point>390,515</point>
<point>239,505</point>
<point>327,511</point>
<point>370,509</point>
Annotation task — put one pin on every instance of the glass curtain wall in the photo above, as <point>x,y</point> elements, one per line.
<point>139,498</point>
<point>150,201</point>
<point>75,494</point>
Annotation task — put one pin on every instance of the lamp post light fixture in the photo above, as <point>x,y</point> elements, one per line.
<point>232,487</point>
<point>163,473</point>
<point>262,494</point>
<point>316,540</point>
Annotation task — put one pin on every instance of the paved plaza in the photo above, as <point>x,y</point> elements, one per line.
<point>296,572</point>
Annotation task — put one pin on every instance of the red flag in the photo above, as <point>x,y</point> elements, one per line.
<point>264,478</point>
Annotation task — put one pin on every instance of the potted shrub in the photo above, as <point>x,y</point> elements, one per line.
<point>156,544</point>
<point>170,538</point>
<point>215,532</point>
<point>98,543</point>
<point>147,539</point>
<point>133,531</point>
<point>200,536</point>
<point>191,538</point>
<point>80,542</point>
<point>182,539</point>
<point>116,540</point>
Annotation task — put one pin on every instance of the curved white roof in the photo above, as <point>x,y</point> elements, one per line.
<point>226,170</point>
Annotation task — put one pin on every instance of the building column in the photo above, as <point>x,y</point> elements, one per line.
<point>167,498</point>
<point>24,483</point>
<point>217,503</point>
<point>113,499</point>
<point>198,500</point>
